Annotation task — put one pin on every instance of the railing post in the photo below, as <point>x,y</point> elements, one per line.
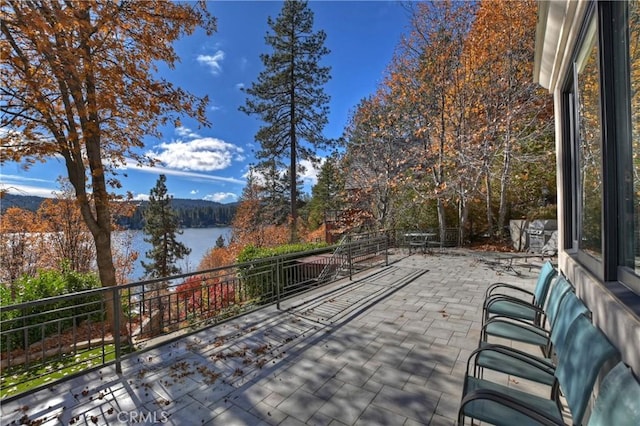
<point>386,249</point>
<point>278,283</point>
<point>117,312</point>
<point>349,258</point>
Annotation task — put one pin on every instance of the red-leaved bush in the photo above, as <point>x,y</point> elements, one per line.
<point>204,295</point>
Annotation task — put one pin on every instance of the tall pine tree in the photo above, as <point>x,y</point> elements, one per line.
<point>327,194</point>
<point>289,96</point>
<point>275,193</point>
<point>161,227</point>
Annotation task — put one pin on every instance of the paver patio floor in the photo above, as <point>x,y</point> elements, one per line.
<point>388,348</point>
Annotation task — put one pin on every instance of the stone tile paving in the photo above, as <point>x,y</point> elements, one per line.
<point>388,348</point>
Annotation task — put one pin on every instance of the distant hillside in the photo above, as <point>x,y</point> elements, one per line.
<point>26,202</point>
<point>191,213</point>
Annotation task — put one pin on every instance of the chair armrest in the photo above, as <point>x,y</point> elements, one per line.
<point>543,332</point>
<point>511,403</point>
<point>515,300</point>
<point>499,285</point>
<point>534,361</point>
<point>519,322</point>
<point>538,317</point>
<point>509,297</point>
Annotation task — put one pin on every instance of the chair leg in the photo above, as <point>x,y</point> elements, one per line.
<point>485,315</point>
<point>461,418</point>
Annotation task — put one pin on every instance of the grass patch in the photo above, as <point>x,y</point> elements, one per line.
<point>19,379</point>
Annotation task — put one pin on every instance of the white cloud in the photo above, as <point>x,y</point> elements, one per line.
<point>141,197</point>
<point>186,132</point>
<point>222,197</point>
<point>18,178</point>
<point>204,154</point>
<point>212,61</point>
<point>22,185</point>
<point>310,174</point>
<point>21,189</point>
<point>194,192</point>
<point>158,170</point>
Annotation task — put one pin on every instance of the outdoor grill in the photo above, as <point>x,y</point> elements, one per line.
<point>539,233</point>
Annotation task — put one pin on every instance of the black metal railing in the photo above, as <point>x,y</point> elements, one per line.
<point>61,337</point>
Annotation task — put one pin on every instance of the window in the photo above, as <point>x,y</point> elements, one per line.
<point>629,143</point>
<point>634,57</point>
<point>601,146</point>
<point>589,143</point>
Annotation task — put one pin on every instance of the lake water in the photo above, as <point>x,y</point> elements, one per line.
<point>199,240</point>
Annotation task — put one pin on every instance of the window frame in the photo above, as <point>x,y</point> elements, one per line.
<point>623,155</point>
<point>612,268</point>
<point>573,203</point>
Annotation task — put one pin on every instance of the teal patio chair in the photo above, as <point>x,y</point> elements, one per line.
<point>515,302</point>
<point>521,364</point>
<point>576,374</point>
<point>618,401</point>
<point>523,331</point>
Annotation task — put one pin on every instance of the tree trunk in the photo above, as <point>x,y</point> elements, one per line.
<point>463,216</point>
<point>442,220</point>
<point>488,198</point>
<point>504,178</point>
<point>294,208</point>
<point>292,132</point>
<point>504,186</point>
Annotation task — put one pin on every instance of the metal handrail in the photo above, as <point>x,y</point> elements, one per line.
<point>330,271</point>
<point>32,334</point>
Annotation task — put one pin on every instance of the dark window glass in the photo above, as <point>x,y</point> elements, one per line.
<point>589,149</point>
<point>634,62</point>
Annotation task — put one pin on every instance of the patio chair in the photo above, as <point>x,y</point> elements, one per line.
<point>512,301</point>
<point>521,364</point>
<point>523,331</point>
<point>575,375</point>
<point>618,401</point>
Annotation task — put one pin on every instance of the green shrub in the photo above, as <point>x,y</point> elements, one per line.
<point>260,277</point>
<point>47,319</point>
<point>252,252</point>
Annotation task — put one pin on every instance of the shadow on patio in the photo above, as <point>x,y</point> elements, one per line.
<point>389,347</point>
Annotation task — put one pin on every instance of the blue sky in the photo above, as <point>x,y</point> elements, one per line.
<point>211,163</point>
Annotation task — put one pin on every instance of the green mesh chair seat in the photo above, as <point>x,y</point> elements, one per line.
<point>515,363</point>
<point>518,331</point>
<point>546,272</point>
<point>524,365</point>
<point>508,307</point>
<point>515,302</point>
<point>521,331</point>
<point>510,407</point>
<point>587,349</point>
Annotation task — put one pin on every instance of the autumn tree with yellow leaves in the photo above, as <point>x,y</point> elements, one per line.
<point>469,133</point>
<point>78,81</point>
<point>512,115</point>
